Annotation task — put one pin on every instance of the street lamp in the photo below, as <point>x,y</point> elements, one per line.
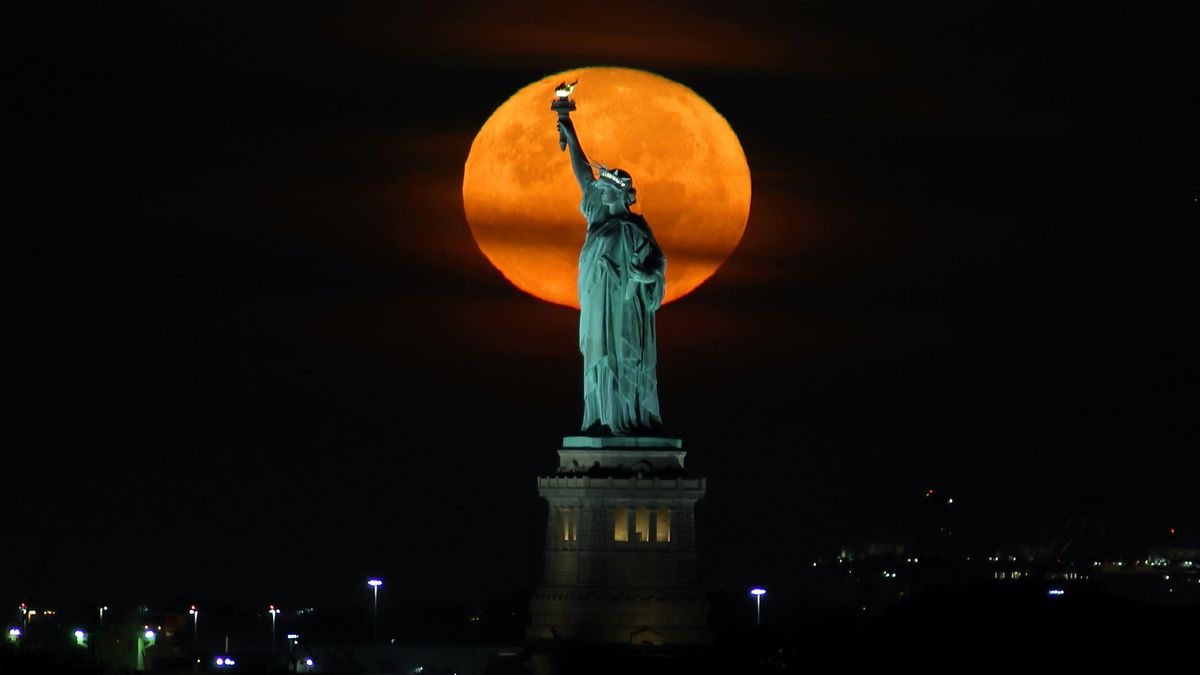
<point>195,623</point>
<point>375,584</point>
<point>145,640</point>
<point>102,614</point>
<point>272,610</point>
<point>758,592</point>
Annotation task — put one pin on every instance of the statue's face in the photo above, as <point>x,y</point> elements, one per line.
<point>611,195</point>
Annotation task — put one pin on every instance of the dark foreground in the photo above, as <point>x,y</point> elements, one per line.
<point>942,630</point>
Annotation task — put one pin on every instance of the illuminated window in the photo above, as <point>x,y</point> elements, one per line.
<point>662,531</point>
<point>642,524</point>
<point>621,527</point>
<point>569,519</point>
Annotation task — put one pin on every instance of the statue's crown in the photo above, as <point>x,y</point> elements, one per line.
<point>620,181</point>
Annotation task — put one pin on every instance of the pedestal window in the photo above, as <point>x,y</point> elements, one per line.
<point>662,531</point>
<point>621,524</point>
<point>642,524</point>
<point>569,520</point>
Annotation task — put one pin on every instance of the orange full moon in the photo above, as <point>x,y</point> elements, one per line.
<point>692,179</point>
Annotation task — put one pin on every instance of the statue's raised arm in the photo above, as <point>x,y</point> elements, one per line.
<point>579,160</point>
<point>567,138</point>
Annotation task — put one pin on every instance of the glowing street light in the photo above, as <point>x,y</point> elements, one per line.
<point>273,611</point>
<point>14,634</point>
<point>758,592</point>
<point>80,637</point>
<point>375,584</point>
<point>195,623</point>
<point>102,609</point>
<point>145,641</point>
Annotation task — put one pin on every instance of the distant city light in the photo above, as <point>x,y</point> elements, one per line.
<point>293,636</point>
<point>1055,592</point>
<point>15,632</point>
<point>149,634</point>
<point>225,661</point>
<point>79,634</point>
<point>308,662</point>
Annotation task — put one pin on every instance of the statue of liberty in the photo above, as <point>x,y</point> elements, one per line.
<point>622,276</point>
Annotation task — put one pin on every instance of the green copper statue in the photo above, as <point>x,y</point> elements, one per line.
<point>622,276</point>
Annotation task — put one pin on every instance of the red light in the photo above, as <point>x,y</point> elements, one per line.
<point>929,492</point>
<point>1172,532</point>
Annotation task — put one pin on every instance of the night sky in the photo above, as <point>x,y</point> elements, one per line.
<point>259,356</point>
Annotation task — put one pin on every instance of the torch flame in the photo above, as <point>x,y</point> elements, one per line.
<point>564,90</point>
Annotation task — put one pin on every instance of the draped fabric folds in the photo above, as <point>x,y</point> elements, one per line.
<point>622,276</point>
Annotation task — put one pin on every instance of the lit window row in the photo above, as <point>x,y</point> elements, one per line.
<point>634,524</point>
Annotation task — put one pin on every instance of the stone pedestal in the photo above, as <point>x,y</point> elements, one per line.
<point>621,546</point>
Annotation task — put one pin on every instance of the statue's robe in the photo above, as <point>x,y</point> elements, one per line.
<point>616,321</point>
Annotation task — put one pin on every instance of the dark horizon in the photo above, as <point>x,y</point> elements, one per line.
<point>961,271</point>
